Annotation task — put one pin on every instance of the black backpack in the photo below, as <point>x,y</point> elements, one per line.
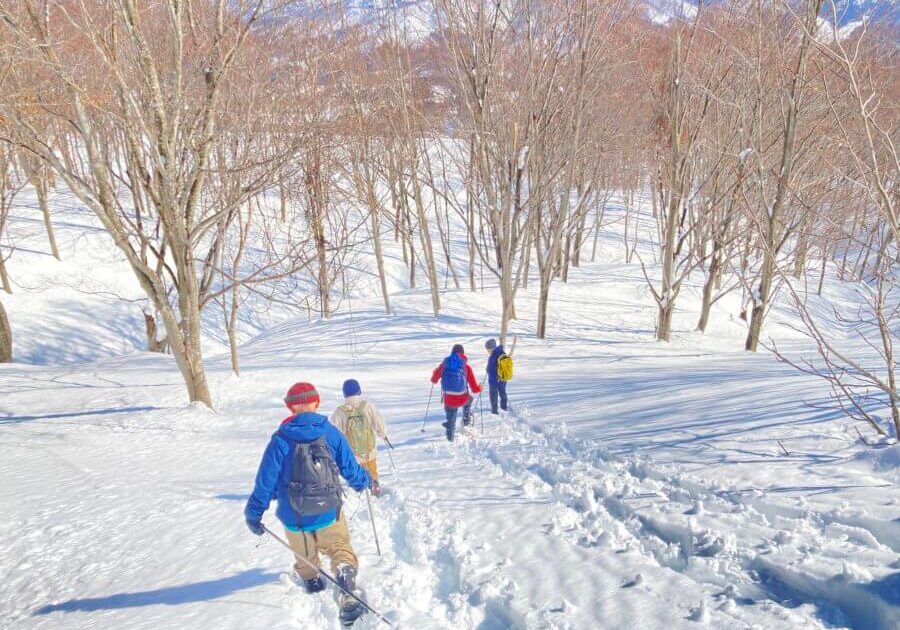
<point>314,485</point>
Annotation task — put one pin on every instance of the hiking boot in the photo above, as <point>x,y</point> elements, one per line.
<point>467,420</point>
<point>315,585</point>
<point>351,609</point>
<point>346,577</point>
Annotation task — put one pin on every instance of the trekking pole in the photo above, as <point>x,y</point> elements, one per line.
<point>481,412</point>
<point>372,520</point>
<point>480,403</point>
<point>427,407</point>
<point>391,456</point>
<point>326,575</point>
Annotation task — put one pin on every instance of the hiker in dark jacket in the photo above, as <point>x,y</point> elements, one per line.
<point>457,379</point>
<point>496,387</point>
<point>321,530</point>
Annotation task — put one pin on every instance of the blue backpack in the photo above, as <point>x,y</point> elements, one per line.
<point>453,379</point>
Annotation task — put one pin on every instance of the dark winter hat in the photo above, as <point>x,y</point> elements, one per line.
<point>301,394</point>
<point>352,388</point>
<point>490,344</point>
<point>458,349</point>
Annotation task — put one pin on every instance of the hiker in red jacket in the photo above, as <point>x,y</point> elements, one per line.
<point>457,379</point>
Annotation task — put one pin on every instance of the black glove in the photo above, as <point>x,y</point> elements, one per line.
<point>255,527</point>
<point>376,488</point>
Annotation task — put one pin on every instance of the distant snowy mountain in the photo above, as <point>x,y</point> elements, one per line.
<point>849,11</point>
<point>415,18</point>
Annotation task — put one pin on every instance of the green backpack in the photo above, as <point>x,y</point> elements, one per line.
<point>359,430</point>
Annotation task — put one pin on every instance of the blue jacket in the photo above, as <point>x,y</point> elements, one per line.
<point>275,470</point>
<point>492,364</point>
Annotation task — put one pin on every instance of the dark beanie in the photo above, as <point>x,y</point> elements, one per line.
<point>490,344</point>
<point>458,349</point>
<point>352,388</point>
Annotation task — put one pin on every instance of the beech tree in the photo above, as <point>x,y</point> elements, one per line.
<point>153,76</point>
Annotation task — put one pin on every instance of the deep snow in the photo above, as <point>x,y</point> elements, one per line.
<point>635,484</point>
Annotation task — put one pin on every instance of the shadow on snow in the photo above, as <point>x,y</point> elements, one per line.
<point>168,596</point>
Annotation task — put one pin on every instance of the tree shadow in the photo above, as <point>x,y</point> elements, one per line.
<point>168,596</point>
<point>97,412</point>
<point>232,497</point>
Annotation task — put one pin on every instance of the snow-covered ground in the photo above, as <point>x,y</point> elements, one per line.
<point>634,484</point>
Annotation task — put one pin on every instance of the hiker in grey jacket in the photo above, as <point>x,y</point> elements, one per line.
<point>360,421</point>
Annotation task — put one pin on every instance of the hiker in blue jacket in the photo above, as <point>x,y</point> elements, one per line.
<point>299,468</point>
<point>496,387</point>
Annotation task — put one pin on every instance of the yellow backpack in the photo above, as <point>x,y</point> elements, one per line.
<point>505,368</point>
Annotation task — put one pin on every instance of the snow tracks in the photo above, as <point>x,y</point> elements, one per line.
<point>428,576</point>
<point>525,526</point>
<point>755,561</point>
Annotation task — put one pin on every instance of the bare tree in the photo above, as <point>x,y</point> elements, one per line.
<point>11,183</point>
<point>157,85</point>
<point>6,339</point>
<point>773,223</point>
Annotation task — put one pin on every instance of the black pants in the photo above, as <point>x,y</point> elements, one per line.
<point>451,417</point>
<point>498,391</point>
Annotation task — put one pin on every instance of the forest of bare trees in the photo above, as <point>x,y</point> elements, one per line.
<point>757,137</point>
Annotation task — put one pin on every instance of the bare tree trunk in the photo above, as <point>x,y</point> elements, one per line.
<point>887,344</point>
<point>407,230</point>
<point>470,216</point>
<point>424,233</point>
<point>282,199</point>
<point>184,338</point>
<point>822,271</point>
<point>773,228</point>
<point>232,330</point>
<point>153,342</point>
<point>5,337</point>
<point>379,260</point>
<point>4,276</point>
<point>666,301</point>
<point>41,188</point>
<point>316,213</point>
<point>712,277</point>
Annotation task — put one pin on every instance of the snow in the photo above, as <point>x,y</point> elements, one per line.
<point>850,13</point>
<point>633,485</point>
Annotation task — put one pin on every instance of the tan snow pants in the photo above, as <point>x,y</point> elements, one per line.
<point>333,541</point>
<point>372,467</point>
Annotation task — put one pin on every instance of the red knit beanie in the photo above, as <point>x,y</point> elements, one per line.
<point>301,394</point>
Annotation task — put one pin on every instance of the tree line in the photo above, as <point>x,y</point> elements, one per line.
<point>247,149</point>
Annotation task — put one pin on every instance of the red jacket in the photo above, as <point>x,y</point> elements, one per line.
<point>458,400</point>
